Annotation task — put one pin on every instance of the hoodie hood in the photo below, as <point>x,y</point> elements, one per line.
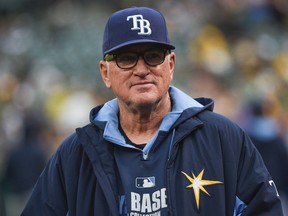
<point>106,116</point>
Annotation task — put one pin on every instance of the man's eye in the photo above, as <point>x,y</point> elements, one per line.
<point>152,55</point>
<point>127,58</point>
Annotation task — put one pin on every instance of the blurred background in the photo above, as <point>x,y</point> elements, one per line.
<point>233,51</point>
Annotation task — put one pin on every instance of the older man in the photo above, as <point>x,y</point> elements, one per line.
<point>153,150</point>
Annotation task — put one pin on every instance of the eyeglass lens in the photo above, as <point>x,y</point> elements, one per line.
<point>128,60</point>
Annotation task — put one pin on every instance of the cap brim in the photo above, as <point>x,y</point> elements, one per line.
<point>169,46</point>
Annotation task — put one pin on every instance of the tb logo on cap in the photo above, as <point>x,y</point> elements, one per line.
<point>140,24</point>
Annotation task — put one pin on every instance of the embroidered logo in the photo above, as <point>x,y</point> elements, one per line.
<point>197,184</point>
<point>140,24</point>
<point>145,182</point>
<point>271,183</point>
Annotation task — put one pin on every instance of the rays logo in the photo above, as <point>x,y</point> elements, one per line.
<point>140,24</point>
<point>198,184</point>
<point>145,182</point>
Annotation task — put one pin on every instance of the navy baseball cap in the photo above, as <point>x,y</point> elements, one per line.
<point>135,25</point>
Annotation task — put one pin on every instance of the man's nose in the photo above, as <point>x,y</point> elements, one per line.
<point>141,68</point>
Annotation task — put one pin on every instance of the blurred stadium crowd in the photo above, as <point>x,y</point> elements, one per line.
<point>233,51</point>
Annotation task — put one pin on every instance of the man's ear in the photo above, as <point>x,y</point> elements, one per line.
<point>104,70</point>
<point>172,61</point>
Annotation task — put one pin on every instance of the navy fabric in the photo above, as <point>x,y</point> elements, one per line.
<point>82,178</point>
<point>136,25</point>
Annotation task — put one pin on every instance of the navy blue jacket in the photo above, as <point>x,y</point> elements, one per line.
<point>212,169</point>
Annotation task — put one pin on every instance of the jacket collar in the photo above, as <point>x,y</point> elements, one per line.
<point>109,111</point>
<point>183,107</point>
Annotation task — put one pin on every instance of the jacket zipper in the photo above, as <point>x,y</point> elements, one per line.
<point>168,178</point>
<point>145,155</point>
<point>173,150</point>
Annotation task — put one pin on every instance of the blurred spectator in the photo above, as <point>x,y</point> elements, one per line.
<point>2,204</point>
<point>264,131</point>
<point>23,166</point>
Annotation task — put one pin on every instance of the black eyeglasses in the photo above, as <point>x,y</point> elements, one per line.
<point>128,60</point>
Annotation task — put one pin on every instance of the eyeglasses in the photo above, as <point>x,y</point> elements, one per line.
<point>128,60</point>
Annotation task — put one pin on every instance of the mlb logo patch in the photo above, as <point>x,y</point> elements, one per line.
<point>145,182</point>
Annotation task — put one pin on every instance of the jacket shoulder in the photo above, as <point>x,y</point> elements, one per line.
<point>219,121</point>
<point>73,142</point>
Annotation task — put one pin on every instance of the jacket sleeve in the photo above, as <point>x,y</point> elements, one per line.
<point>49,196</point>
<point>255,187</point>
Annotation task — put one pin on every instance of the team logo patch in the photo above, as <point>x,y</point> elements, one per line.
<point>145,182</point>
<point>140,24</point>
<point>198,184</point>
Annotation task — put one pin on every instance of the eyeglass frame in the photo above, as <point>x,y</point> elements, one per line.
<point>113,57</point>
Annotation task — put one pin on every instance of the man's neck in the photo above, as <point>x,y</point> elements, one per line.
<point>142,124</point>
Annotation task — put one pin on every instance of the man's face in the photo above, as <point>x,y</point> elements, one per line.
<point>142,84</point>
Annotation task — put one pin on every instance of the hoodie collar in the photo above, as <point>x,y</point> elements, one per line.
<point>181,101</point>
<point>109,114</point>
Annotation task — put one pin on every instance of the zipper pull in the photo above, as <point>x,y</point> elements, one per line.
<point>145,155</point>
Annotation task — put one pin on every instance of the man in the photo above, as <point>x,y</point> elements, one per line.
<point>153,150</point>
